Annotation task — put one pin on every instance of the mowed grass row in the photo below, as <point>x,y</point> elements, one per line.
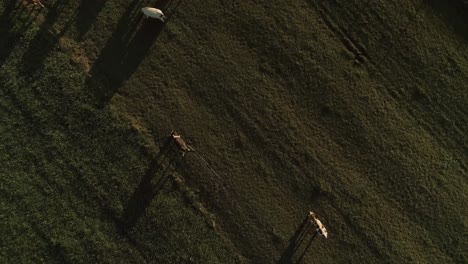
<point>276,97</point>
<point>71,173</point>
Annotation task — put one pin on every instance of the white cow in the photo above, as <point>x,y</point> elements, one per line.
<point>319,227</point>
<point>153,13</point>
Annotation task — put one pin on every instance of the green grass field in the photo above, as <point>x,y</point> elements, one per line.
<point>356,110</point>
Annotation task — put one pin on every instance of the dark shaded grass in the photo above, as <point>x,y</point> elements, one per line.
<point>15,19</point>
<point>453,12</point>
<point>123,53</point>
<point>88,11</point>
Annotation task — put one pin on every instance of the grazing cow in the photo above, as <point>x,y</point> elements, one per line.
<point>180,142</point>
<point>37,3</point>
<point>319,227</point>
<point>154,13</point>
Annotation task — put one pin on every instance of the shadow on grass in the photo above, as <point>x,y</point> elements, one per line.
<point>123,53</point>
<point>162,4</point>
<point>160,169</point>
<point>295,243</point>
<point>454,14</point>
<point>89,187</point>
<point>87,14</point>
<point>46,39</point>
<point>14,21</point>
<point>169,7</point>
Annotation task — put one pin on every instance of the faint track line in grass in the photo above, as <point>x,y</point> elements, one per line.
<point>211,169</point>
<point>350,44</point>
<point>376,67</point>
<point>360,234</point>
<point>227,194</point>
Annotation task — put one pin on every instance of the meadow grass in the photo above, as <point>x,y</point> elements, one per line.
<point>353,110</point>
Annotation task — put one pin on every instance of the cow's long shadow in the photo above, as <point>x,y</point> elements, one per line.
<point>162,4</point>
<point>454,14</point>
<point>46,38</point>
<point>15,19</point>
<point>295,243</point>
<point>155,178</point>
<point>301,257</point>
<point>87,14</point>
<point>8,37</point>
<point>123,53</point>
